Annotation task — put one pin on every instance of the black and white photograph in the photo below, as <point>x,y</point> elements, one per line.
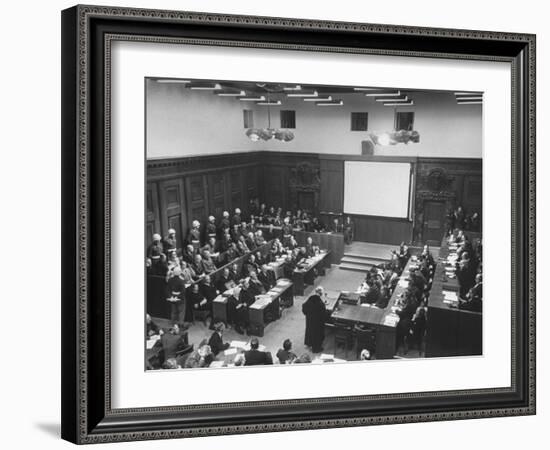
<point>291,223</point>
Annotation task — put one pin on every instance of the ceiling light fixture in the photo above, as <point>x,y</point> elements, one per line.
<point>390,99</point>
<point>318,99</point>
<point>409,103</point>
<point>231,94</point>
<point>267,134</point>
<point>384,94</point>
<point>205,87</point>
<point>252,99</point>
<point>303,94</point>
<point>332,103</point>
<point>167,80</point>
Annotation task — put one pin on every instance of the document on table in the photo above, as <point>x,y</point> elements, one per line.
<point>237,344</point>
<point>449,297</point>
<point>230,351</point>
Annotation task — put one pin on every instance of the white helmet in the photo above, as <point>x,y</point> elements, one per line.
<point>196,223</point>
<point>211,218</point>
<point>171,231</point>
<point>225,214</point>
<point>156,237</point>
<point>237,211</point>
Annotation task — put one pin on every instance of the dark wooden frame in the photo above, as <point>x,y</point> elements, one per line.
<point>87,416</point>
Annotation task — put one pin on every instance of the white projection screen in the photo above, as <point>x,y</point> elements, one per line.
<point>377,188</point>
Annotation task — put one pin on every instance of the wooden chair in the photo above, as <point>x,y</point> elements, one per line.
<point>343,336</point>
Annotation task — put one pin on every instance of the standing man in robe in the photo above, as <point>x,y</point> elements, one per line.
<point>315,311</point>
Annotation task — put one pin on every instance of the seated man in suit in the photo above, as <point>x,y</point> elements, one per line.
<point>260,260</point>
<point>255,357</point>
<point>216,339</point>
<point>310,248</point>
<point>208,290</point>
<point>259,238</point>
<point>189,254</point>
<point>208,262</point>
<point>474,297</point>
<point>198,267</point>
<point>267,278</point>
<point>196,299</point>
<point>256,285</point>
<point>246,298</point>
<point>223,279</point>
<point>235,272</point>
<point>251,265</point>
<point>250,242</point>
<point>225,241</point>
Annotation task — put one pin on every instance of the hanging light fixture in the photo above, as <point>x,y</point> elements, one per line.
<point>267,134</point>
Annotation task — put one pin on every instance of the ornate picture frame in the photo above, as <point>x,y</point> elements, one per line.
<point>87,35</point>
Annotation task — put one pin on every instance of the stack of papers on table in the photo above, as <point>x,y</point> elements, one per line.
<point>326,357</point>
<point>151,343</point>
<point>283,282</point>
<point>450,297</point>
<point>215,364</point>
<point>230,351</point>
<point>391,320</point>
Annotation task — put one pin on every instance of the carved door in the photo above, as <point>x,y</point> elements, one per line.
<point>434,221</point>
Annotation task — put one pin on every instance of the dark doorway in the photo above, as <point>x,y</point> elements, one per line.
<point>434,221</point>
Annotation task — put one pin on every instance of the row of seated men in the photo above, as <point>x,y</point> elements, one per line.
<point>191,290</point>
<point>381,281</point>
<point>469,268</point>
<point>175,352</point>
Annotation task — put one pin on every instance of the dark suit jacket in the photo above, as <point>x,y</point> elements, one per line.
<point>216,343</point>
<point>257,358</point>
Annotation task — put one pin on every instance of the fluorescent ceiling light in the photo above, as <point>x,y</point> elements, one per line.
<point>366,89</point>
<point>384,94</point>
<point>469,98</point>
<point>295,88</point>
<point>214,87</point>
<point>166,80</point>
<point>303,94</point>
<point>468,93</point>
<point>410,102</point>
<point>383,99</point>
<point>318,99</point>
<point>252,99</point>
<point>469,102</point>
<point>272,103</point>
<point>231,94</point>
<point>333,103</point>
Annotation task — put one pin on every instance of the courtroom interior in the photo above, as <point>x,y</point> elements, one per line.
<point>292,223</point>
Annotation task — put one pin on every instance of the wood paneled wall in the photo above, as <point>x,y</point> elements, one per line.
<point>180,190</point>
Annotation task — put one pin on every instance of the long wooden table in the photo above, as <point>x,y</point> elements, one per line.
<point>451,331</point>
<point>383,320</point>
<point>269,301</point>
<point>306,272</point>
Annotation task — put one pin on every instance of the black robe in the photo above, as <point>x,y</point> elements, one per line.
<point>315,312</point>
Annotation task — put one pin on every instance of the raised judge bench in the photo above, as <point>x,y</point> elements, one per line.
<point>451,331</point>
<point>157,306</point>
<point>333,242</point>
